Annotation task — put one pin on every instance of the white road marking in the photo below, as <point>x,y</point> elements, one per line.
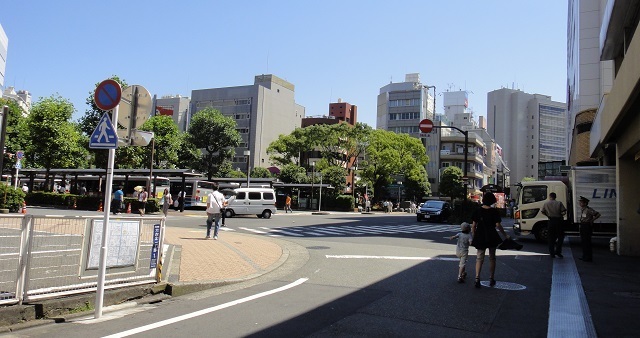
<point>283,232</point>
<point>205,311</point>
<point>253,230</point>
<point>394,257</point>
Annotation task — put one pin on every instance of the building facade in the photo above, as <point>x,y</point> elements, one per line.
<point>262,112</point>
<point>531,128</point>
<point>615,133</point>
<point>175,106</point>
<point>4,47</point>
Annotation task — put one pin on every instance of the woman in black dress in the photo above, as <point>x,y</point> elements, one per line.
<point>485,222</point>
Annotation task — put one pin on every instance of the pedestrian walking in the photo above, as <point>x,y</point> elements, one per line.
<point>367,205</point>
<point>167,201</point>
<point>587,216</point>
<point>462,249</point>
<point>215,202</point>
<point>25,188</point>
<point>117,204</point>
<point>287,204</point>
<point>555,210</point>
<point>142,201</point>
<point>486,220</point>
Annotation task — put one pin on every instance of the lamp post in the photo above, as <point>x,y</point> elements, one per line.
<point>353,185</point>
<point>247,153</point>
<point>320,194</point>
<point>399,187</point>
<point>313,177</point>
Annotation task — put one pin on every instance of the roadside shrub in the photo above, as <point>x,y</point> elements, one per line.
<point>11,198</point>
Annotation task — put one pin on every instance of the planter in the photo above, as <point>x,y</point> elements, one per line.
<point>4,211</point>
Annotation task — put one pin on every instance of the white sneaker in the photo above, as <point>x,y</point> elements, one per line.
<point>207,237</point>
<point>215,237</point>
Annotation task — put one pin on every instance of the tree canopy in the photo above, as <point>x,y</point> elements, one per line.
<point>216,136</point>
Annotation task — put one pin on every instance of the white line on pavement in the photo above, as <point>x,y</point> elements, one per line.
<point>393,257</point>
<point>205,311</point>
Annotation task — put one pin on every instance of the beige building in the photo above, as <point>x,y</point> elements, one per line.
<point>615,134</point>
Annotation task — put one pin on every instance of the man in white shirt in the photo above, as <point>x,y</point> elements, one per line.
<point>215,202</point>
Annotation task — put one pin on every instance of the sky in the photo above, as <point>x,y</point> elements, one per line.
<point>328,49</point>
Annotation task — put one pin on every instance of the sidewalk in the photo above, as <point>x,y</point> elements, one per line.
<point>231,257</point>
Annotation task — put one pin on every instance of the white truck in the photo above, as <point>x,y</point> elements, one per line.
<point>598,184</point>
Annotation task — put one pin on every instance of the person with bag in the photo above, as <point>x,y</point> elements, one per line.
<point>486,220</point>
<point>215,203</point>
<point>166,201</point>
<point>555,210</point>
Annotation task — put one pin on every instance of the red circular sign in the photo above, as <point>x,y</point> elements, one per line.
<point>426,125</point>
<point>108,94</point>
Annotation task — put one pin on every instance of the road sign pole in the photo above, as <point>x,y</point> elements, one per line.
<point>105,227</point>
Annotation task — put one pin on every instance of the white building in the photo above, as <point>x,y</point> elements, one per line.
<point>531,128</point>
<point>4,46</point>
<point>262,112</point>
<point>22,98</point>
<point>175,106</point>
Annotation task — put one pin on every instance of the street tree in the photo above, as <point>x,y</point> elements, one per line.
<point>216,136</point>
<point>188,153</point>
<point>291,173</point>
<point>451,183</point>
<point>16,134</point>
<point>259,172</point>
<point>55,142</point>
<point>286,149</point>
<point>391,155</point>
<point>166,142</point>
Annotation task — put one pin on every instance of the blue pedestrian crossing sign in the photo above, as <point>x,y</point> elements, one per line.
<point>104,136</point>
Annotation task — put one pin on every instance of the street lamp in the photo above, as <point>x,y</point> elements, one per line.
<point>399,187</point>
<point>320,197</point>
<point>247,153</point>
<point>353,184</point>
<point>313,176</point>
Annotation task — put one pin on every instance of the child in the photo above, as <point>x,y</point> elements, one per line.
<point>462,249</point>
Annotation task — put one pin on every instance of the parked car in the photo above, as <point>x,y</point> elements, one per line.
<point>437,211</point>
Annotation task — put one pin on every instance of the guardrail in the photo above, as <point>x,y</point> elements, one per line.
<point>49,256</point>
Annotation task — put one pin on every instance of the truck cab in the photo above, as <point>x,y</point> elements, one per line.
<point>531,197</point>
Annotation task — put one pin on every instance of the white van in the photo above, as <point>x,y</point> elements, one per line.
<point>252,201</point>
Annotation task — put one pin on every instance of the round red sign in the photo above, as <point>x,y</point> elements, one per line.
<point>426,126</point>
<point>108,94</point>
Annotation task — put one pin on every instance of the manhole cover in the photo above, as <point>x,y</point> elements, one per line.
<point>319,247</point>
<point>504,285</point>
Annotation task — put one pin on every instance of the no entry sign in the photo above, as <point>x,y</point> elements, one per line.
<point>426,126</point>
<point>108,94</point>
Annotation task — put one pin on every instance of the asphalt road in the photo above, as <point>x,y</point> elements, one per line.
<point>353,275</point>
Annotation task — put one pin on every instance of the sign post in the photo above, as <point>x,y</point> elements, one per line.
<point>426,126</point>
<point>108,95</point>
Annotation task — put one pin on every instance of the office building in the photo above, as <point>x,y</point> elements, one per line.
<point>531,128</point>
<point>262,112</point>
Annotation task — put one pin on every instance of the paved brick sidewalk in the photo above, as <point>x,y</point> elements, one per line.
<point>232,256</point>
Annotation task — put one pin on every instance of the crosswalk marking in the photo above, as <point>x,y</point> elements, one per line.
<point>328,231</point>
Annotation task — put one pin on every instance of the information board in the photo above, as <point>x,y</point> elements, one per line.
<point>122,248</point>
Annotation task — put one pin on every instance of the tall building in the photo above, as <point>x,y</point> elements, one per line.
<point>22,98</point>
<point>175,106</point>
<point>531,128</point>
<point>401,106</point>
<point>588,77</point>
<point>615,133</point>
<point>262,112</point>
<point>344,112</point>
<point>4,46</point>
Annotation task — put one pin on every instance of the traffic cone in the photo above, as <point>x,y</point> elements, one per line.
<point>24,207</point>
<point>100,207</point>
<point>74,203</point>
<point>128,208</point>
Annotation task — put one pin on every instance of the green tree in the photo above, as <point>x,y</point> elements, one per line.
<point>166,142</point>
<point>216,136</point>
<point>334,176</point>
<point>451,183</point>
<point>16,134</point>
<point>291,173</point>
<point>188,153</point>
<point>286,149</point>
<point>389,155</point>
<point>260,172</point>
<point>55,141</point>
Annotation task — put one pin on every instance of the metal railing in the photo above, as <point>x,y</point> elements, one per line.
<point>49,256</point>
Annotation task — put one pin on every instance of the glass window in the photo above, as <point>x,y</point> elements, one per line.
<point>254,196</point>
<point>240,195</point>
<point>268,196</point>
<point>535,193</point>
